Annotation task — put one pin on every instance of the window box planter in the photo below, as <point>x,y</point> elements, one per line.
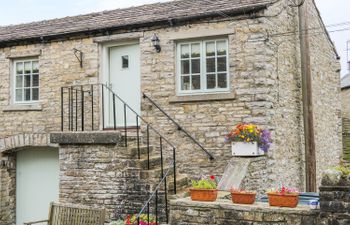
<point>205,195</point>
<point>283,200</point>
<point>243,198</point>
<point>246,149</point>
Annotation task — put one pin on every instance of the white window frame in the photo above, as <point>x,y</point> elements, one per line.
<point>13,86</point>
<point>203,68</point>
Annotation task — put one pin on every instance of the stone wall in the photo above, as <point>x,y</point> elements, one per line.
<point>335,198</point>
<point>345,99</point>
<point>187,212</point>
<point>103,175</point>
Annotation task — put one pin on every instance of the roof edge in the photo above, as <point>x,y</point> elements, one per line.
<point>102,31</point>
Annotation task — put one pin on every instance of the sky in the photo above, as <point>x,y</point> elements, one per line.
<point>22,11</point>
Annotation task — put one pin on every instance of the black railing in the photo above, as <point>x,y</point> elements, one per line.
<point>179,127</point>
<point>155,198</point>
<point>75,117</point>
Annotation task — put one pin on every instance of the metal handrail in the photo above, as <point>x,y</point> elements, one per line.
<point>179,127</point>
<point>155,193</point>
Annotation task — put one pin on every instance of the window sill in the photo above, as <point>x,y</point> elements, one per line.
<point>202,98</point>
<point>17,108</point>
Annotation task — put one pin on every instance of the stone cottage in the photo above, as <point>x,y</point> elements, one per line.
<point>208,65</point>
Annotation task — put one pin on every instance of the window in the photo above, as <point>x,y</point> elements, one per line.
<point>26,81</point>
<point>202,66</point>
<point>125,62</point>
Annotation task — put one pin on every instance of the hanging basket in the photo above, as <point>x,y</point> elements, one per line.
<point>286,200</point>
<point>243,198</point>
<point>205,195</point>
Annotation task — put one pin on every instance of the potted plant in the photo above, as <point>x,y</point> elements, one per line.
<point>247,139</point>
<point>242,196</point>
<point>204,190</point>
<point>283,197</point>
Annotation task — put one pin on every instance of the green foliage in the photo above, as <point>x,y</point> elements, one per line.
<point>344,170</point>
<point>143,218</point>
<point>204,184</point>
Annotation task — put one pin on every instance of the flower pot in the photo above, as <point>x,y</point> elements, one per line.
<point>206,195</point>
<point>243,198</point>
<point>286,200</point>
<point>246,149</point>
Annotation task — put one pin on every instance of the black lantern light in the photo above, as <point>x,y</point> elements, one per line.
<point>155,42</point>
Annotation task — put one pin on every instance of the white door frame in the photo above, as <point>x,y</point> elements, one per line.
<point>104,63</point>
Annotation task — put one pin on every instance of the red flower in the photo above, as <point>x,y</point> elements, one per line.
<point>212,177</point>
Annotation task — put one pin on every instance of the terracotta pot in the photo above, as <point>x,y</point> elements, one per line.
<point>243,198</point>
<point>286,200</point>
<point>206,195</point>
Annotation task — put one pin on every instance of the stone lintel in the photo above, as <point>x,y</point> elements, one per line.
<point>89,138</point>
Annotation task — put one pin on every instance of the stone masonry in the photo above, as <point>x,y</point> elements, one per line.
<point>265,88</point>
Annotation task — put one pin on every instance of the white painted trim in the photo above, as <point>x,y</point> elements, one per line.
<point>203,89</point>
<point>13,82</point>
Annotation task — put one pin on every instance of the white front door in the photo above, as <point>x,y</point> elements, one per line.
<point>124,78</point>
<point>37,183</point>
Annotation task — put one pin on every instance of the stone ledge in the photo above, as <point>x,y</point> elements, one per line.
<point>15,108</point>
<point>257,207</point>
<point>89,138</point>
<point>202,98</point>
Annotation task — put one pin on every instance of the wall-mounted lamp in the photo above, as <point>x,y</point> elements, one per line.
<point>155,42</point>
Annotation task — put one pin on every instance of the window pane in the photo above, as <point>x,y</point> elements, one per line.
<point>185,51</point>
<point>125,62</point>
<point>185,83</point>
<point>27,81</point>
<point>211,65</point>
<point>210,48</point>
<point>19,81</point>
<point>195,50</point>
<point>196,82</point>
<point>185,67</point>
<point>19,95</point>
<point>222,80</point>
<point>27,67</point>
<point>19,68</point>
<point>211,82</point>
<point>196,66</point>
<point>222,64</point>
<point>221,47</point>
<point>35,81</point>
<point>35,67</point>
<point>27,94</point>
<point>35,94</point>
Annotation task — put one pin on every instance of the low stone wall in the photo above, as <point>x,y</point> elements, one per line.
<point>187,212</point>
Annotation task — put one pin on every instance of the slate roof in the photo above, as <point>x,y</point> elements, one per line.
<point>122,18</point>
<point>345,81</point>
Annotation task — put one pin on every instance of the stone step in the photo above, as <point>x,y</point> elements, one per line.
<point>143,150</point>
<point>154,162</point>
<point>155,173</point>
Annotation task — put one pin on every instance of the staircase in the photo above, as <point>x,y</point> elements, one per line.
<point>150,152</point>
<point>346,142</point>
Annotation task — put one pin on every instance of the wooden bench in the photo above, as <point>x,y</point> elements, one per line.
<point>68,214</point>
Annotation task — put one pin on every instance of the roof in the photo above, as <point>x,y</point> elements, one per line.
<point>145,15</point>
<point>345,82</point>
